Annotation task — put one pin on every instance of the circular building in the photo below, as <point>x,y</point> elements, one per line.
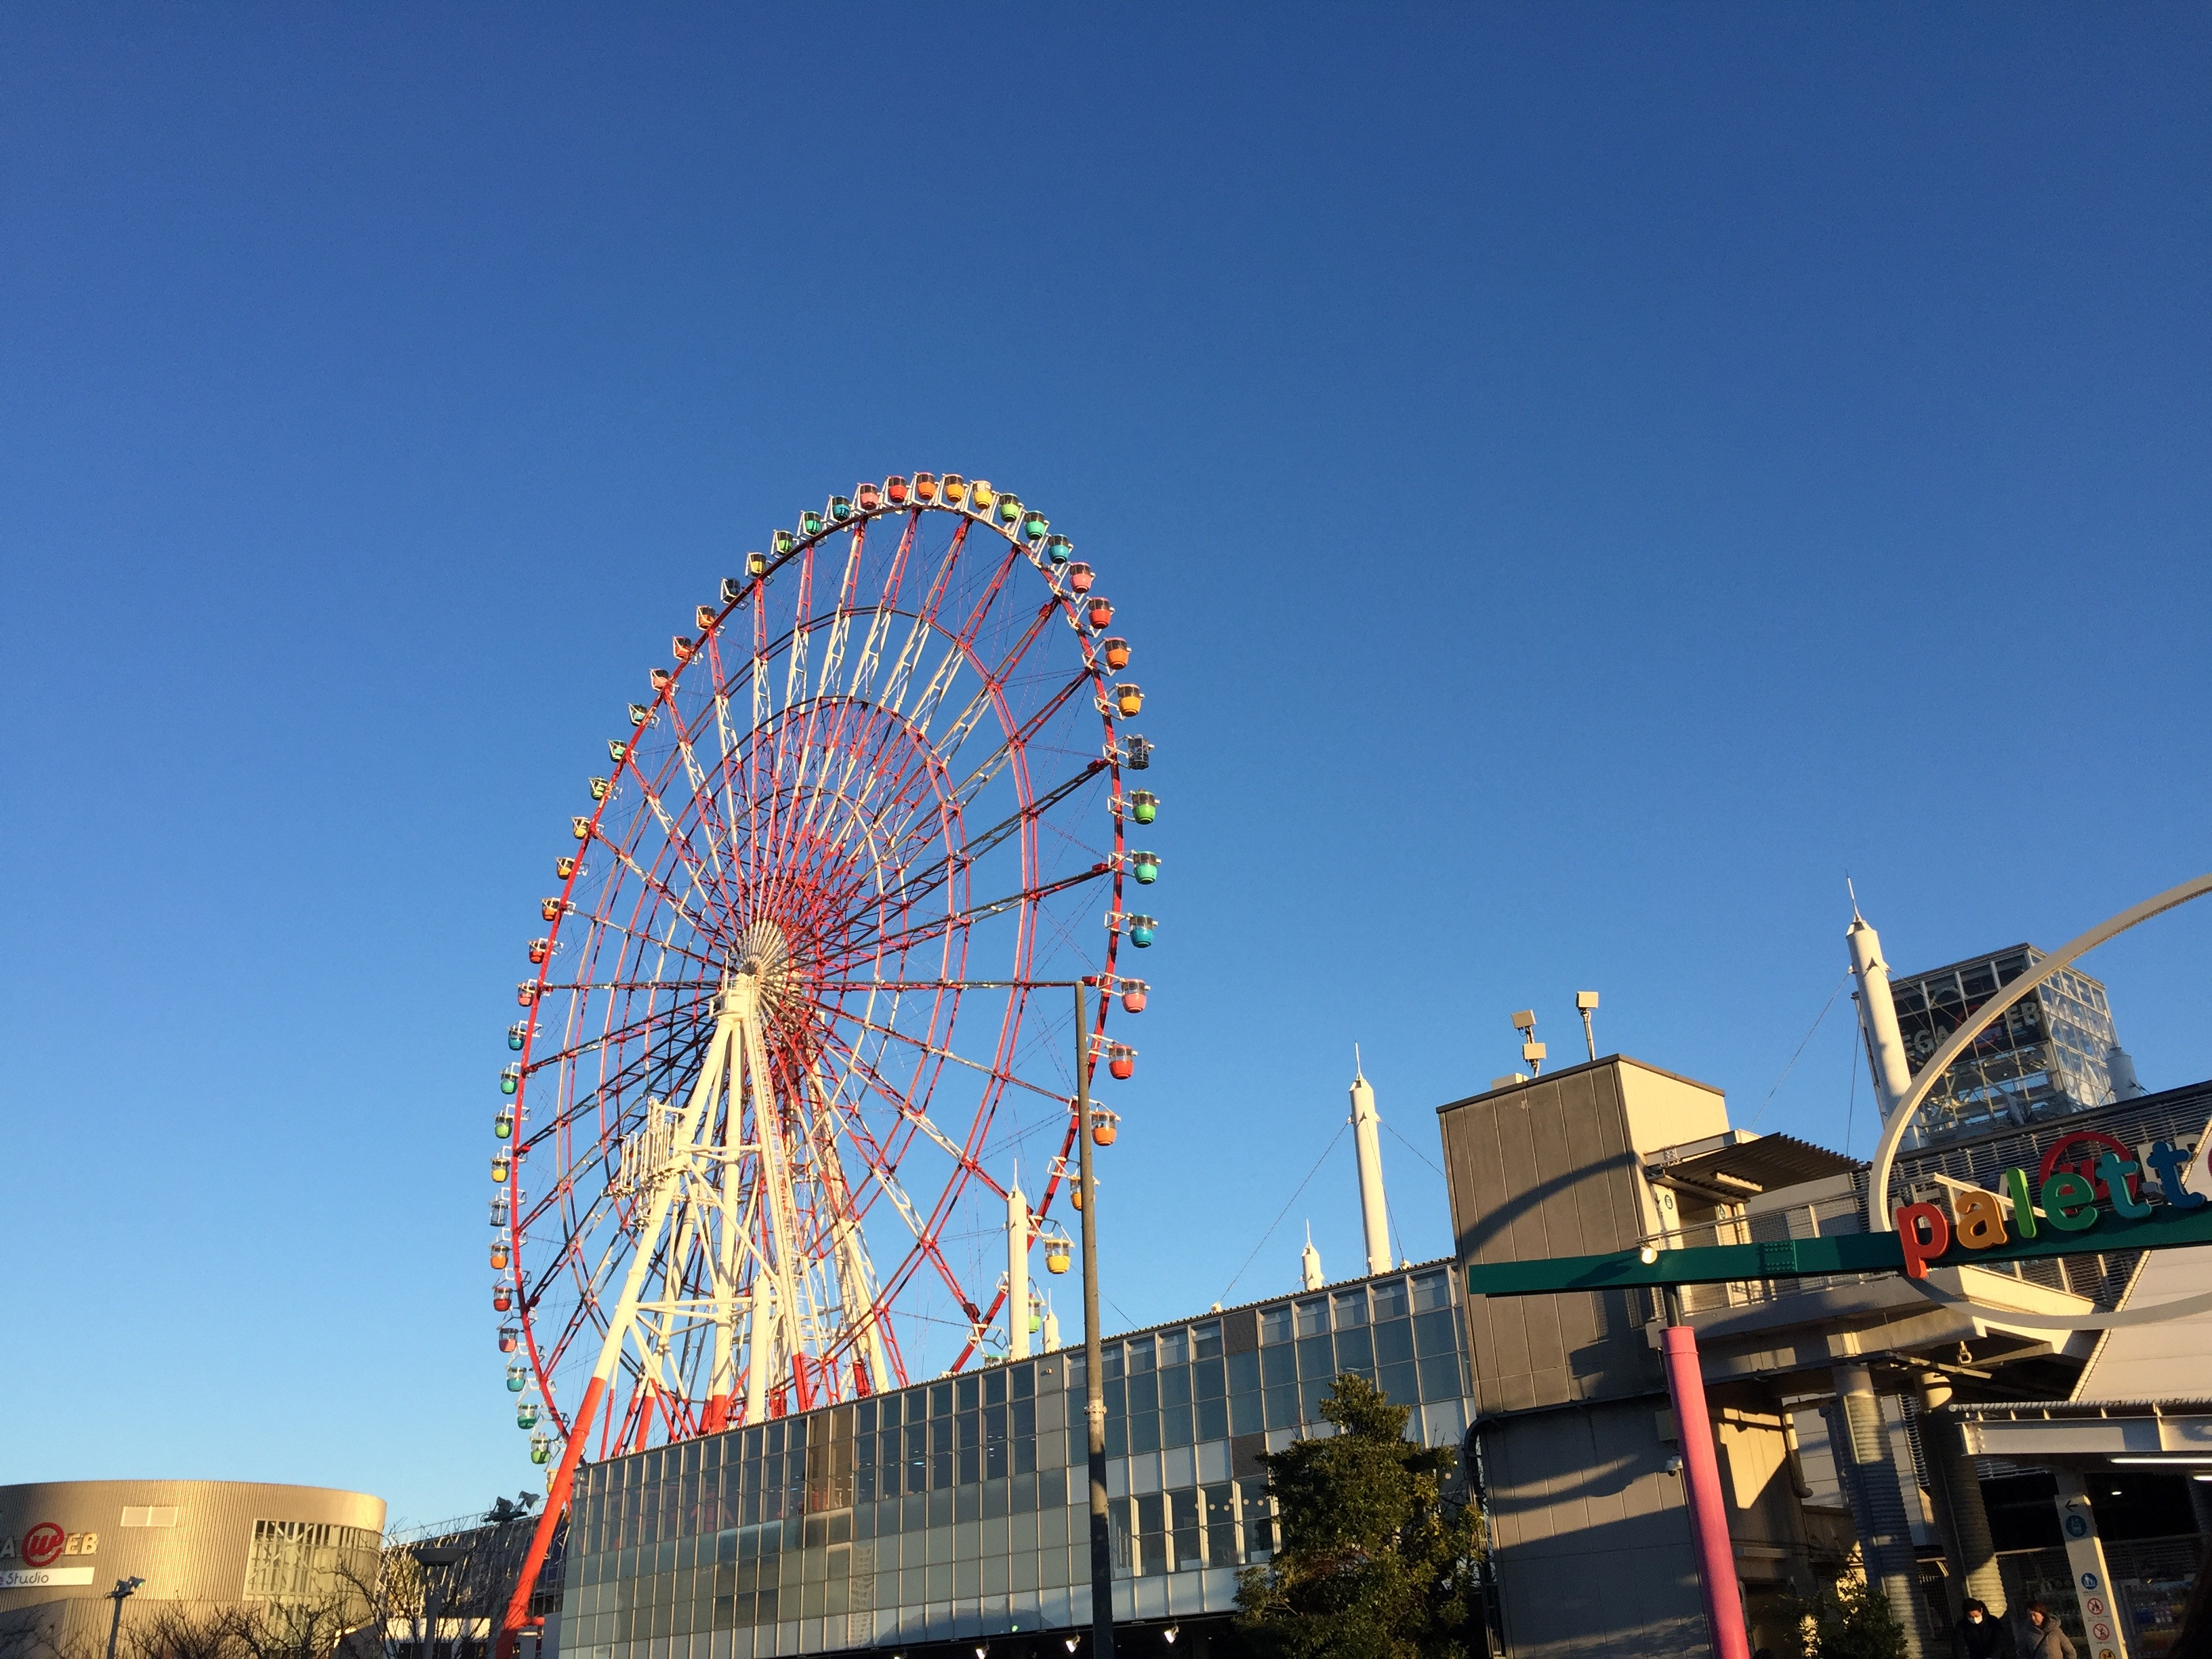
<point>203,1548</point>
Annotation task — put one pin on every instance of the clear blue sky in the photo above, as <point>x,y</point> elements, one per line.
<point>1582,478</point>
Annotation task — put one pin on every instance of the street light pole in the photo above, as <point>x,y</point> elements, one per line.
<point>444,1557</point>
<point>1094,1385</point>
<point>124,1591</point>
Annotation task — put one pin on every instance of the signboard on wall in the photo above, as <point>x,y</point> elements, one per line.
<point>39,1578</point>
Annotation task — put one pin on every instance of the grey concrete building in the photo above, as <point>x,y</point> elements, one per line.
<point>1853,1416</point>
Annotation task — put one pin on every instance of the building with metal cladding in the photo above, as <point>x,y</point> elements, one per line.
<point>957,1508</point>
<point>200,1544</point>
<point>2050,1055</point>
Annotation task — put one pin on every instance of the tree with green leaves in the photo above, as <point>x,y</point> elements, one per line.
<point>1849,1620</point>
<point>1372,1560</point>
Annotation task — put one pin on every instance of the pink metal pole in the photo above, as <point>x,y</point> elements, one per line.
<point>1701,1480</point>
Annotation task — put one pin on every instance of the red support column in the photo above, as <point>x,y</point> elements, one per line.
<point>1701,1482</point>
<point>517,1616</point>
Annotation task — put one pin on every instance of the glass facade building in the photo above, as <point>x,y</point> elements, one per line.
<point>958,1508</point>
<point>2048,1055</point>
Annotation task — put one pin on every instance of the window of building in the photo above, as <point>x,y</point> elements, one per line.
<point>310,1561</point>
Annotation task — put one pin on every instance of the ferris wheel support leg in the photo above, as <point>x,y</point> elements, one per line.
<point>541,1540</point>
<point>761,1359</point>
<point>775,1159</point>
<point>856,1278</point>
<point>610,1350</point>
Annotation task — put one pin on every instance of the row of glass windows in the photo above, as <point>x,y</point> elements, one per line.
<point>1162,1391</point>
<point>997,1442</point>
<point>1350,1307</point>
<point>1276,1388</point>
<point>751,1579</point>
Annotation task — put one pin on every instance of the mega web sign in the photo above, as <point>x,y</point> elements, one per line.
<point>2089,1193</point>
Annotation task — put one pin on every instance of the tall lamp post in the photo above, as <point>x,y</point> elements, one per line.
<point>444,1557</point>
<point>1094,1385</point>
<point>124,1591</point>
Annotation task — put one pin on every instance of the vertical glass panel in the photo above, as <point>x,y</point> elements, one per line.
<point>1355,1349</point>
<point>995,1386</point>
<point>1184,1528</point>
<point>1219,1503</point>
<point>1212,1420</point>
<point>1259,1516</point>
<point>1313,1316</point>
<point>1309,1394</point>
<point>1394,1341</point>
<point>1174,1348</point>
<point>1440,1377</point>
<point>1206,1340</point>
<point>1350,1307</point>
<point>1431,1290</point>
<point>1275,1323</point>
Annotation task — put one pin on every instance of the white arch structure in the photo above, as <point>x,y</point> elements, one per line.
<point>1939,1063</point>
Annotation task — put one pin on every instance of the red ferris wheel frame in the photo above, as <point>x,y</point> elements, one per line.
<point>834,923</point>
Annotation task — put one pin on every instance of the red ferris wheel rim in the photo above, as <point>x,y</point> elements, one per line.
<point>579,1138</point>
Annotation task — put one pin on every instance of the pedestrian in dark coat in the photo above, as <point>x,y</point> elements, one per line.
<point>1979,1634</point>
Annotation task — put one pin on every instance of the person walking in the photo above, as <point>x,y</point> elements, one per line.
<point>1979,1634</point>
<point>2044,1639</point>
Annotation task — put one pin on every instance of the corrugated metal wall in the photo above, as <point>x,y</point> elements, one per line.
<point>202,1558</point>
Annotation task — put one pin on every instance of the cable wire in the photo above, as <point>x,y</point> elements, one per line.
<point>1409,1145</point>
<point>1802,1041</point>
<point>1278,1221</point>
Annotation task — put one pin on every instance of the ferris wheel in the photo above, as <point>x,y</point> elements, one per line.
<point>786,1053</point>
